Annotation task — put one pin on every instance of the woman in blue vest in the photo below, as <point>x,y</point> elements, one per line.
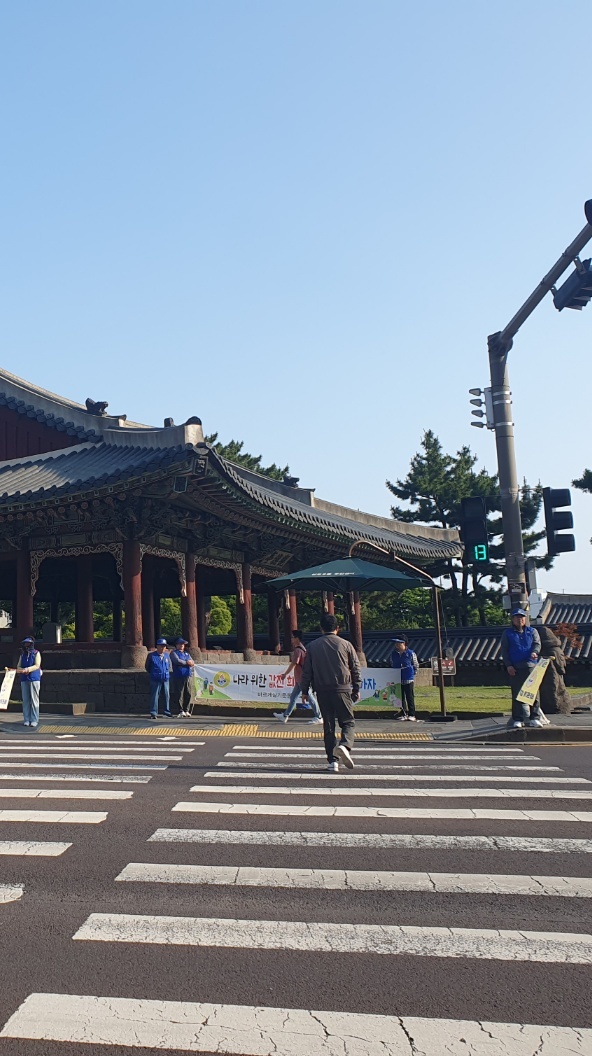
<point>29,669</point>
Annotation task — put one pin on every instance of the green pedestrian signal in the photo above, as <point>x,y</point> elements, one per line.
<point>480,552</point>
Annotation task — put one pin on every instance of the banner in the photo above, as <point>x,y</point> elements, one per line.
<point>6,688</point>
<point>528,693</point>
<point>251,682</point>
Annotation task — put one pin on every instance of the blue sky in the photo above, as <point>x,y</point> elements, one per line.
<point>300,221</point>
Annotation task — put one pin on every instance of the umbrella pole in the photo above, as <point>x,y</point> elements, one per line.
<point>436,602</point>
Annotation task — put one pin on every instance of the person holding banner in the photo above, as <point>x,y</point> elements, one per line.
<point>521,647</point>
<point>29,669</point>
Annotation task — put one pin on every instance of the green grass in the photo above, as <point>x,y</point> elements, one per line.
<point>485,699</point>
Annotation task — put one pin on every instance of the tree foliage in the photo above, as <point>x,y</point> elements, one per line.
<point>585,481</point>
<point>434,488</point>
<point>233,451</point>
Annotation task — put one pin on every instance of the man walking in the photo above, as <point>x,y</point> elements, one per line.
<point>331,665</point>
<point>521,647</point>
<point>296,661</point>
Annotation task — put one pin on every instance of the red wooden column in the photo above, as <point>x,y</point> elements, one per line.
<point>328,604</point>
<point>117,619</point>
<point>246,615</point>
<point>355,624</point>
<point>273,622</point>
<point>189,607</point>
<point>134,652</point>
<point>148,629</point>
<point>24,598</point>
<point>290,619</point>
<point>85,631</point>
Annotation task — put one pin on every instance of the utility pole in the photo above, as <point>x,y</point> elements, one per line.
<point>499,345</point>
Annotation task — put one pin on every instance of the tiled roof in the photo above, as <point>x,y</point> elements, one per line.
<point>57,422</point>
<point>569,608</point>
<point>74,469</point>
<point>470,645</point>
<point>402,542</point>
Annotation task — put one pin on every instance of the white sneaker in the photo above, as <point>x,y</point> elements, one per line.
<point>344,755</point>
<point>401,718</point>
<point>313,722</point>
<point>26,723</point>
<point>536,723</point>
<point>33,725</point>
<point>516,725</point>
<point>333,767</point>
<point>411,718</point>
<point>279,715</point>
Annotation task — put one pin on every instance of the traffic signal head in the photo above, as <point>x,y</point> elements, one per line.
<point>556,520</point>
<point>473,530</point>
<point>577,290</point>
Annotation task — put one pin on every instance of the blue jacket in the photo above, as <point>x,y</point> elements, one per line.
<point>181,668</point>
<point>158,666</point>
<point>406,663</point>
<point>517,646</point>
<point>27,660</point>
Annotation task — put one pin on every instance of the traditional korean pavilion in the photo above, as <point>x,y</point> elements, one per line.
<point>94,507</point>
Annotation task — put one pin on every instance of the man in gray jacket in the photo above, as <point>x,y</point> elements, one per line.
<point>331,666</point>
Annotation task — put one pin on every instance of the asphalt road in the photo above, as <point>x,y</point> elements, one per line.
<point>146,976</point>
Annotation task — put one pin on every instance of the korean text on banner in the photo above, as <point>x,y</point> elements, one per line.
<point>265,682</point>
<point>528,693</point>
<point>6,688</point>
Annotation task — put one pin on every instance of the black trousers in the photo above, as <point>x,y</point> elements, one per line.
<point>180,690</point>
<point>408,698</point>
<point>336,707</point>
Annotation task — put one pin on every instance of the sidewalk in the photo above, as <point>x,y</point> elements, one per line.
<point>563,728</point>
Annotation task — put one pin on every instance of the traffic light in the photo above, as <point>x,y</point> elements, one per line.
<point>557,519</point>
<point>473,531</point>
<point>577,290</point>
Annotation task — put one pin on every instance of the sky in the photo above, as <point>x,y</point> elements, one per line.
<point>300,221</point>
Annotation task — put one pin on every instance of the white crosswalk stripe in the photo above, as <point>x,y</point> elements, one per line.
<point>381,840</point>
<point>357,880</point>
<point>82,766</point>
<point>22,754</point>
<point>100,778</point>
<point>313,761</point>
<point>33,848</point>
<point>312,775</point>
<point>63,793</point>
<point>384,939</point>
<point>55,817</point>
<point>394,750</point>
<point>298,810</point>
<point>254,1031</point>
<point>414,793</point>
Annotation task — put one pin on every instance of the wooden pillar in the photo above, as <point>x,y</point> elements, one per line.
<point>202,623</point>
<point>134,652</point>
<point>328,602</point>
<point>116,619</point>
<point>355,623</point>
<point>290,619</point>
<point>84,600</point>
<point>157,616</point>
<point>273,622</point>
<point>148,629</point>
<point>189,607</point>
<point>24,598</point>
<point>246,615</point>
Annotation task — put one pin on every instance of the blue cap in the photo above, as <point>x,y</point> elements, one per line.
<point>519,612</point>
<point>161,641</point>
<point>181,641</point>
<point>27,640</point>
<point>403,640</point>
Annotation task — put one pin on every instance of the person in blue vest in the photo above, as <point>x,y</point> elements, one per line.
<point>29,669</point>
<point>521,647</point>
<point>181,677</point>
<point>403,659</point>
<point>158,666</point>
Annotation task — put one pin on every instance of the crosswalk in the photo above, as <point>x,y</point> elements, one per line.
<point>363,903</point>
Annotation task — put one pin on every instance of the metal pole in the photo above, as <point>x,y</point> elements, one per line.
<point>436,601</point>
<point>499,345</point>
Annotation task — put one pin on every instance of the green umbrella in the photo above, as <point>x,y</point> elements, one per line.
<point>349,573</point>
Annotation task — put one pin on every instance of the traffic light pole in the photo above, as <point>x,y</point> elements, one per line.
<point>499,345</point>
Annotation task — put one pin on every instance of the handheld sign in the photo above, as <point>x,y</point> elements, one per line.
<point>528,693</point>
<point>6,688</point>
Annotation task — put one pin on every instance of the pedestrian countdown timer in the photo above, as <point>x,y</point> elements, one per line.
<point>480,552</point>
